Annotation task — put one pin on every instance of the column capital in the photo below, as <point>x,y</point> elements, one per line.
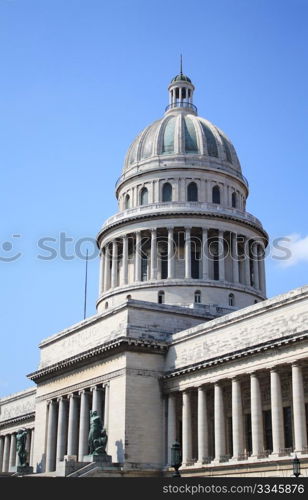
<point>275,368</point>
<point>61,398</point>
<point>72,396</point>
<point>83,391</point>
<point>202,388</point>
<point>95,388</point>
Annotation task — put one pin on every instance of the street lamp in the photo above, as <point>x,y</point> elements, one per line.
<point>176,458</point>
<point>296,467</point>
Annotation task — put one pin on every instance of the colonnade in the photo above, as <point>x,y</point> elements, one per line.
<point>145,247</point>
<point>211,444</point>
<point>69,422</point>
<point>8,452</point>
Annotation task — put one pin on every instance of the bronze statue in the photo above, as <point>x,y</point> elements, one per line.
<point>21,438</point>
<point>97,435</point>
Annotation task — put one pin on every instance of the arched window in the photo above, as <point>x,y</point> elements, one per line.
<point>234,200</point>
<point>167,192</point>
<point>231,299</point>
<point>106,305</point>
<point>216,194</point>
<point>127,202</point>
<point>192,192</point>
<point>144,196</point>
<point>197,297</point>
<point>161,297</point>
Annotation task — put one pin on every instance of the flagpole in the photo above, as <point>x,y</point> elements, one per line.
<point>85,288</point>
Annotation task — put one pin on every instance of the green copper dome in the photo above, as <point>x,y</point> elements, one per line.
<point>181,78</point>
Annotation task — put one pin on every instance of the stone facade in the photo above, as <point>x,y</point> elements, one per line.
<point>184,344</point>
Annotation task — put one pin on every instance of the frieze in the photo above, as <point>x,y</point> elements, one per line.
<point>12,410</point>
<point>13,421</point>
<point>82,385</point>
<point>186,360</point>
<point>97,380</point>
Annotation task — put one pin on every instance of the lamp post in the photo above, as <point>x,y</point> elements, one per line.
<point>296,467</point>
<point>176,458</point>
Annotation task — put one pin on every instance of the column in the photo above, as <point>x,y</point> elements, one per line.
<point>262,281</point>
<point>62,429</point>
<point>114,264</point>
<point>277,412</point>
<point>256,416</point>
<point>6,453</point>
<point>247,262</point>
<point>97,404</point>
<point>221,255</point>
<point>106,406</point>
<point>101,274</point>
<point>51,437</point>
<point>31,448</point>
<point>299,416</point>
<point>153,254</point>
<point>171,255</point>
<point>219,423</point>
<point>203,431</point>
<point>237,419</point>
<point>12,459</point>
<point>255,263</point>
<point>125,260</point>
<point>187,253</point>
<point>107,268</point>
<point>186,429</point>
<point>235,262</point>
<point>205,255</point>
<point>1,451</point>
<point>225,196</point>
<point>209,192</point>
<point>84,425</point>
<point>138,257</point>
<point>72,438</point>
<point>171,426</point>
<point>28,446</point>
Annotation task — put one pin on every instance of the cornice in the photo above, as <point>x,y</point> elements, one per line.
<point>236,355</point>
<point>179,214</point>
<point>16,420</point>
<point>102,351</point>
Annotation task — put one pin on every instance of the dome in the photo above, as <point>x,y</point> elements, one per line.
<point>180,132</point>
<point>181,78</point>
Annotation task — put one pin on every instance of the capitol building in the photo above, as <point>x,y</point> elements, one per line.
<point>184,345</point>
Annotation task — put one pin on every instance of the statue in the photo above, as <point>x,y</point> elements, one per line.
<point>21,438</point>
<point>97,435</point>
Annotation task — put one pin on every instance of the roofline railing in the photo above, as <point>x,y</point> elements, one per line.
<point>181,104</point>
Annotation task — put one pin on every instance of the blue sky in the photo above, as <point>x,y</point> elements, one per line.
<point>79,80</point>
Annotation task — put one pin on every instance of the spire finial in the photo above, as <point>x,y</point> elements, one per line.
<point>181,66</point>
